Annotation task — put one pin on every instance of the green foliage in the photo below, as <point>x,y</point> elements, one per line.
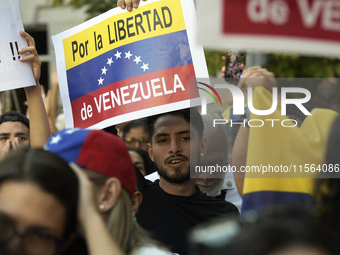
<point>284,65</point>
<point>93,7</point>
<point>214,61</point>
<point>294,66</point>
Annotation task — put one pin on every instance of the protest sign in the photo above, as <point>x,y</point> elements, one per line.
<point>307,27</point>
<point>124,65</point>
<point>13,73</point>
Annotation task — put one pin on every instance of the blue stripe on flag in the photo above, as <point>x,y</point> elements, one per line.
<point>155,54</point>
<point>258,200</point>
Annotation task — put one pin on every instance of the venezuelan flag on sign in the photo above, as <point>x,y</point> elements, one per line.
<point>135,60</point>
<point>286,146</point>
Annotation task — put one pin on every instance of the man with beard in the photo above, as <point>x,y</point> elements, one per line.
<point>173,204</point>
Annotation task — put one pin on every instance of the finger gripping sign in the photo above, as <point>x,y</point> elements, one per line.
<point>127,65</point>
<point>13,73</point>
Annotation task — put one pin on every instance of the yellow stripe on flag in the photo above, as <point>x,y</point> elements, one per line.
<point>148,21</point>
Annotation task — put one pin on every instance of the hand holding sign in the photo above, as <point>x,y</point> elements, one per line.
<point>33,55</point>
<point>13,73</point>
<point>129,4</point>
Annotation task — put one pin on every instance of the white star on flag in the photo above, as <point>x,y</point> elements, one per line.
<point>128,55</point>
<point>109,61</point>
<point>70,131</point>
<point>104,70</point>
<point>117,55</point>
<point>100,81</point>
<point>55,139</point>
<point>137,59</point>
<point>145,66</point>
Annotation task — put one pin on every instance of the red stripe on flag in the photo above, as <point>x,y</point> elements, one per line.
<point>137,93</point>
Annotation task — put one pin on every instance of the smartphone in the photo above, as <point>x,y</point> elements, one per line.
<point>235,63</point>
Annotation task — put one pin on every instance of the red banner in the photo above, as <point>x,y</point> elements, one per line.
<point>306,27</point>
<point>316,19</point>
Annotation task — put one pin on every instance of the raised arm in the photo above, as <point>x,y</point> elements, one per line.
<point>39,125</point>
<point>251,77</point>
<point>52,96</point>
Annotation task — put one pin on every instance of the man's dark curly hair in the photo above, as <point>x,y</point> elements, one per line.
<point>191,115</point>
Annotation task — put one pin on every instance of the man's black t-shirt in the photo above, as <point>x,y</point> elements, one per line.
<point>169,217</point>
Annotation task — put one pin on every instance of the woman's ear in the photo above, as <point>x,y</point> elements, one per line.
<point>150,150</point>
<point>136,201</point>
<point>109,194</point>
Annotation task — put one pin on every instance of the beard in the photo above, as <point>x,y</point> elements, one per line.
<point>178,177</point>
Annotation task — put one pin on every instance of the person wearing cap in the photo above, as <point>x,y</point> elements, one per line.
<point>42,201</point>
<point>174,204</point>
<point>107,163</point>
<point>15,130</point>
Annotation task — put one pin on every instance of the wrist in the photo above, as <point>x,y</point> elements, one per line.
<point>35,89</point>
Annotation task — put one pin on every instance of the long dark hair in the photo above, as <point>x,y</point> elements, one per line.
<point>150,166</point>
<point>51,173</point>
